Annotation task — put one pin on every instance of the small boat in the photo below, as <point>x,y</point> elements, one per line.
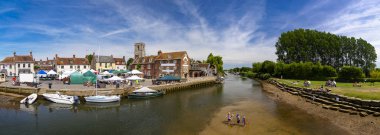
<point>58,98</point>
<point>145,92</point>
<point>29,99</point>
<point>102,99</point>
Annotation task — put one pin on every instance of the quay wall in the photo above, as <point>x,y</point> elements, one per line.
<point>331,101</point>
<point>167,88</point>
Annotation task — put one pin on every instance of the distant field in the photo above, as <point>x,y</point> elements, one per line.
<point>366,91</point>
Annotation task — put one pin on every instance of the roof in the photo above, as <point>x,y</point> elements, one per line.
<point>72,61</point>
<point>18,58</point>
<point>171,55</point>
<point>119,61</point>
<point>104,59</point>
<point>145,60</point>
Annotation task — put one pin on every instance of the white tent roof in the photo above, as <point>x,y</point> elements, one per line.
<point>115,78</point>
<point>106,73</point>
<point>51,72</point>
<point>144,90</point>
<point>135,72</point>
<point>93,71</point>
<point>68,72</point>
<point>83,71</point>
<point>134,78</point>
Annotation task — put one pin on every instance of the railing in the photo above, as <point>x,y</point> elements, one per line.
<point>168,64</point>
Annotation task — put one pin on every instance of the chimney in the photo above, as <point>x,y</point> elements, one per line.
<point>123,57</point>
<point>56,55</point>
<point>47,58</point>
<point>14,53</point>
<point>74,56</point>
<point>40,59</point>
<point>159,52</point>
<point>31,54</point>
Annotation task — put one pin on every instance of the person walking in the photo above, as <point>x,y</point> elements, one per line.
<point>243,120</point>
<point>229,117</point>
<point>238,118</point>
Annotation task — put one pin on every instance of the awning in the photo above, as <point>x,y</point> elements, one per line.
<point>115,78</point>
<point>51,72</point>
<point>41,72</point>
<point>169,78</point>
<point>134,78</point>
<point>3,71</point>
<point>135,72</point>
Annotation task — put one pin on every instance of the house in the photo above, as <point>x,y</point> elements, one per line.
<point>201,69</point>
<point>172,63</point>
<point>16,64</point>
<point>103,63</point>
<point>120,63</point>
<point>146,65</point>
<point>45,65</point>
<point>73,63</point>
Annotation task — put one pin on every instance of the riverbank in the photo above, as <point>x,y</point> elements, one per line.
<point>355,124</point>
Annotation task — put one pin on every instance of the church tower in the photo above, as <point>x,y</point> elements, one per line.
<point>139,50</point>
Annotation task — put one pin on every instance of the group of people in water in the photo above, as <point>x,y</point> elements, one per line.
<point>240,120</point>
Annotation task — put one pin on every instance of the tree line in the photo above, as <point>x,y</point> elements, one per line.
<point>304,45</point>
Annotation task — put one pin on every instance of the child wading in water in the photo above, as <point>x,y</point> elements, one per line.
<point>238,118</point>
<point>229,117</point>
<point>243,120</point>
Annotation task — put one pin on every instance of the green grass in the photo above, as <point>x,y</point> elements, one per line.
<point>366,91</point>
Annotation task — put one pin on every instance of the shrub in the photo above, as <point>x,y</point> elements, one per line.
<point>350,73</point>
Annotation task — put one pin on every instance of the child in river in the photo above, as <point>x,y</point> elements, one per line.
<point>229,117</point>
<point>238,118</point>
<point>243,120</point>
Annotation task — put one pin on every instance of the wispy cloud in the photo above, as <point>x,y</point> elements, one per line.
<point>5,10</point>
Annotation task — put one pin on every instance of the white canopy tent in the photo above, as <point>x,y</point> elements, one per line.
<point>66,73</point>
<point>51,72</point>
<point>83,71</point>
<point>93,71</point>
<point>144,90</point>
<point>106,73</point>
<point>134,78</point>
<point>135,72</point>
<point>115,78</point>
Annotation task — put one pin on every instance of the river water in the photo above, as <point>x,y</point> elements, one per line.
<point>193,111</point>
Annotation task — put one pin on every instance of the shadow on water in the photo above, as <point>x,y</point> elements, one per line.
<point>183,112</point>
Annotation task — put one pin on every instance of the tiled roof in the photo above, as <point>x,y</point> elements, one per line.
<point>203,65</point>
<point>72,61</point>
<point>171,55</point>
<point>104,59</point>
<point>18,58</point>
<point>145,60</point>
<point>119,61</point>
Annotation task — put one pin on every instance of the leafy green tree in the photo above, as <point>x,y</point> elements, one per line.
<point>350,73</point>
<point>89,58</point>
<point>129,62</point>
<point>268,67</point>
<point>217,61</point>
<point>256,67</point>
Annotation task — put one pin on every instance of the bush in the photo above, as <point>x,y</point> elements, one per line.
<point>350,73</point>
<point>250,74</point>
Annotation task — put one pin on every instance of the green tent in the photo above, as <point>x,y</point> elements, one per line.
<point>76,78</point>
<point>89,76</point>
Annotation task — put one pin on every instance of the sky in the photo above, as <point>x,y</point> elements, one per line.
<point>241,31</point>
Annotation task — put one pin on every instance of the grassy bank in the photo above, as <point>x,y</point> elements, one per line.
<point>366,91</point>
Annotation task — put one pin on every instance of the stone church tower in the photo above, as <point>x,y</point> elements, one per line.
<point>139,50</point>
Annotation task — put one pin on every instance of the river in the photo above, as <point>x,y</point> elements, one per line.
<point>193,111</point>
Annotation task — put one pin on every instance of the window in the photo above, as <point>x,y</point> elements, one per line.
<point>29,65</point>
<point>10,66</point>
<point>84,67</point>
<point>19,65</point>
<point>78,67</point>
<point>3,66</point>
<point>106,65</point>
<point>100,64</point>
<point>71,61</point>
<point>149,66</point>
<point>23,65</point>
<point>71,67</point>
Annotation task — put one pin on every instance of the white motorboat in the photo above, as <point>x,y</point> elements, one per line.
<point>102,99</point>
<point>58,98</point>
<point>29,99</point>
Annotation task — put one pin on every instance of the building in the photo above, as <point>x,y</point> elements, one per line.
<point>103,63</point>
<point>201,69</point>
<point>147,66</point>
<point>16,64</point>
<point>120,63</point>
<point>73,63</point>
<point>45,65</point>
<point>164,63</point>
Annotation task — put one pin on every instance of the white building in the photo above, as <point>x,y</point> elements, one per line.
<point>16,64</point>
<point>66,64</point>
<point>120,63</point>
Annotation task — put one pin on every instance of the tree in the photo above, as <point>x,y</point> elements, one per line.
<point>217,61</point>
<point>268,67</point>
<point>304,45</point>
<point>129,62</point>
<point>138,67</point>
<point>89,58</point>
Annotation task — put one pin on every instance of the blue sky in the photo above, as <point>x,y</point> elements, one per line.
<point>242,31</point>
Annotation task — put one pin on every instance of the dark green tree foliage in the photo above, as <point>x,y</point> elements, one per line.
<point>307,70</point>
<point>217,61</point>
<point>129,62</point>
<point>89,58</point>
<point>350,73</point>
<point>302,45</point>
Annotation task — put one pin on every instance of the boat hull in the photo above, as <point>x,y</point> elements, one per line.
<point>30,99</point>
<point>102,99</point>
<point>57,98</point>
<point>140,96</point>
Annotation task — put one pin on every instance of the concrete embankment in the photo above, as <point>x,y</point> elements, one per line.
<point>199,82</point>
<point>335,102</point>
